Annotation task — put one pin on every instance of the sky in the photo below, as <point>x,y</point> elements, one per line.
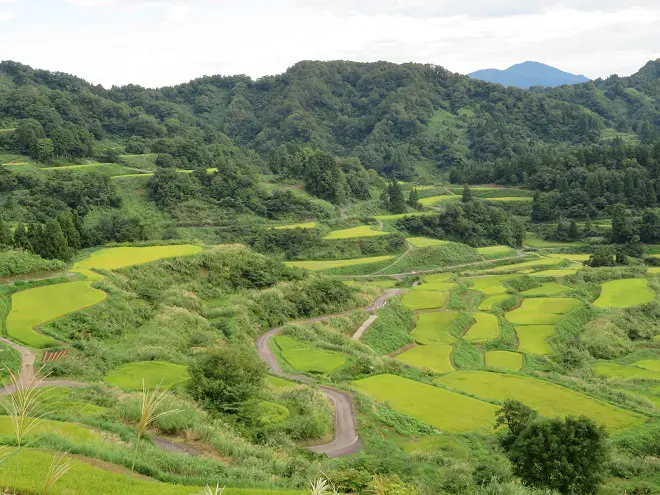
<point>158,43</point>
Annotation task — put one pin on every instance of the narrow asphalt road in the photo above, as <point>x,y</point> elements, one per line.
<point>346,440</point>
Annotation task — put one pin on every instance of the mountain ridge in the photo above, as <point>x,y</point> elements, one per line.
<point>527,74</point>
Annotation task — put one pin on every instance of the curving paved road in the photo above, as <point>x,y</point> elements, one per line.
<point>346,440</point>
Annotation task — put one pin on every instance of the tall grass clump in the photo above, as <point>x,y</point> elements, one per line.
<point>59,466</point>
<point>391,330</point>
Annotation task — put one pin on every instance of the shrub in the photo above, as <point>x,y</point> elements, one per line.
<point>391,330</point>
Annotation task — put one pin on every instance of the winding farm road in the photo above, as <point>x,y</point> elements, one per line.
<point>346,440</point>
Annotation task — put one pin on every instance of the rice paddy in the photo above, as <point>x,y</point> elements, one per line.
<point>533,241</point>
<point>570,257</point>
<point>280,384</point>
<point>34,307</point>
<point>610,369</point>
<point>328,264</point>
<point>545,397</point>
<point>491,301</point>
<point>533,339</point>
<point>542,310</point>
<point>547,289</point>
<point>436,286</point>
<point>625,293</point>
<point>431,328</point>
<point>438,277</point>
<point>361,231</point>
<point>557,273</point>
<point>493,252</point>
<point>425,299</point>
<point>435,357</point>
<point>504,360</point>
<point>511,199</point>
<point>490,285</point>
<point>422,242</point>
<point>305,225</point>
<point>304,357</point>
<point>649,364</point>
<point>148,374</point>
<point>399,216</point>
<point>485,329</point>
<point>434,200</point>
<point>524,265</point>
<point>447,411</point>
<point>121,257</point>
<point>70,431</point>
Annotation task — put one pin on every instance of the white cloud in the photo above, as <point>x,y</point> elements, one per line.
<point>164,42</point>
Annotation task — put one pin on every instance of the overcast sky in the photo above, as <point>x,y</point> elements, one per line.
<point>164,42</point>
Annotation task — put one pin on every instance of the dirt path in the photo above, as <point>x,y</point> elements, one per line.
<point>346,440</point>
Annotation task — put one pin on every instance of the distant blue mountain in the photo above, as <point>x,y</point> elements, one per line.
<point>528,74</point>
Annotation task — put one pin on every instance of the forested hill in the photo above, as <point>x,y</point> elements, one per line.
<point>393,117</point>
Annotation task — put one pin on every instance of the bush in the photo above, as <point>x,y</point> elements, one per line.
<point>14,263</point>
<point>391,330</point>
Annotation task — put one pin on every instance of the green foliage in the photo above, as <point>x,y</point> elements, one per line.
<point>14,263</point>
<point>467,357</point>
<point>391,330</point>
<point>434,257</point>
<point>223,379</point>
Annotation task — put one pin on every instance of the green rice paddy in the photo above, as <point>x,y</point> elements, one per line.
<point>148,374</point>
<point>511,199</point>
<point>434,200</point>
<point>435,357</point>
<point>399,216</point>
<point>559,272</point>
<point>447,411</point>
<point>504,360</point>
<point>121,257</point>
<point>547,398</point>
<point>490,285</point>
<point>431,328</point>
<point>34,307</point>
<point>328,264</point>
<point>611,369</point>
<point>425,299</point>
<point>547,289</point>
<point>422,242</point>
<point>305,357</point>
<point>279,384</point>
<point>625,293</point>
<point>493,252</point>
<point>488,303</point>
<point>524,265</point>
<point>70,431</point>
<point>435,286</point>
<point>570,257</point>
<point>532,240</point>
<point>361,231</point>
<point>542,310</point>
<point>485,329</point>
<point>649,364</point>
<point>533,339</point>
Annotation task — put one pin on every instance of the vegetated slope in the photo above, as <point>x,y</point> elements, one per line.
<point>528,74</point>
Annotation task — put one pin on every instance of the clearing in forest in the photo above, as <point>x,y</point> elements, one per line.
<point>435,406</point>
<point>328,264</point>
<point>533,339</point>
<point>304,357</point>
<point>485,329</point>
<point>150,374</point>
<point>547,398</point>
<point>504,360</point>
<point>361,231</point>
<point>625,293</point>
<point>435,357</point>
<point>425,299</point>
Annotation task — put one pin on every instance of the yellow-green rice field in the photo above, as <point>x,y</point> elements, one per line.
<point>488,303</point>
<point>611,369</point>
<point>148,374</point>
<point>305,357</point>
<point>447,411</point>
<point>304,225</point>
<point>425,299</point>
<point>328,264</point>
<point>547,289</point>
<point>533,339</point>
<point>485,328</point>
<point>625,293</point>
<point>493,252</point>
<point>542,310</point>
<point>361,231</point>
<point>422,242</point>
<point>547,398</point>
<point>434,200</point>
<point>435,357</point>
<point>504,360</point>
<point>430,328</point>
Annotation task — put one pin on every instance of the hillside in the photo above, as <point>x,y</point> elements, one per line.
<point>528,74</point>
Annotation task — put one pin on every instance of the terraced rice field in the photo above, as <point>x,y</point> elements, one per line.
<point>524,265</point>
<point>533,339</point>
<point>425,299</point>
<point>34,307</point>
<point>435,357</point>
<point>581,258</point>
<point>511,199</point>
<point>547,398</point>
<point>399,216</point>
<point>70,431</point>
<point>328,264</point>
<point>611,369</point>
<point>493,252</point>
<point>355,232</point>
<point>504,360</point>
<point>305,357</point>
<point>649,364</point>
<point>485,329</point>
<point>542,310</point>
<point>438,277</point>
<point>305,225</point>
<point>490,285</point>
<point>559,272</point>
<point>279,384</point>
<point>431,328</point>
<point>532,240</point>
<point>447,411</point>
<point>434,200</point>
<point>488,303</point>
<point>625,293</point>
<point>422,242</point>
<point>435,286</point>
<point>149,374</point>
<point>383,284</point>
<point>547,289</point>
